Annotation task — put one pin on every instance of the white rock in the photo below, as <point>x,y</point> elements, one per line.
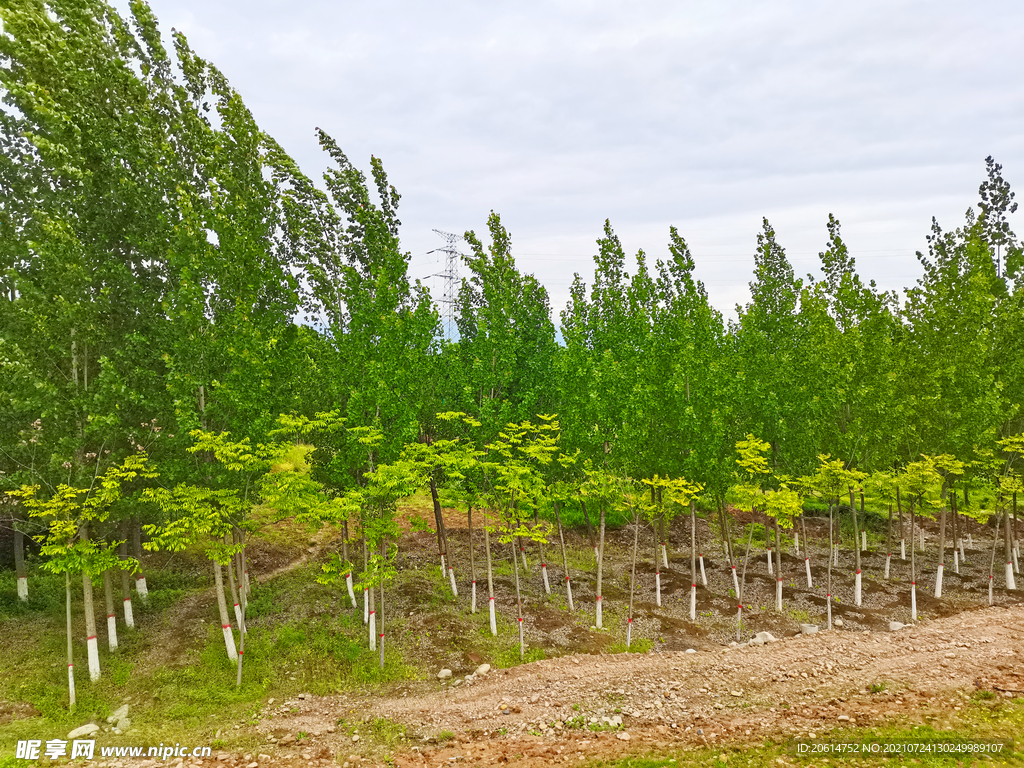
<point>762,638</point>
<point>808,629</point>
<point>690,650</point>
<point>444,674</point>
<point>118,713</point>
<point>838,622</point>
<point>482,670</point>
<point>895,626</point>
<point>622,736</point>
<point>86,730</point>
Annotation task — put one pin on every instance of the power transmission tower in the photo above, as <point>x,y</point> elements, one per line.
<point>450,294</point>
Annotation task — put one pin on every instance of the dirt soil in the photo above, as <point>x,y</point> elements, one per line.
<point>693,690</point>
<point>801,686</point>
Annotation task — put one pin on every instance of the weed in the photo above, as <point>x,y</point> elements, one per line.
<point>877,687</point>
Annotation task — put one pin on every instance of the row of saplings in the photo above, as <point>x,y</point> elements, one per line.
<point>85,535</point>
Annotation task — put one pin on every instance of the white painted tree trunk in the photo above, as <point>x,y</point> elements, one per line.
<point>444,569</point>
<point>366,606</point>
<point>351,589</point>
<point>903,549</point>
<point>629,632</point>
<point>1011,583</point>
<point>888,559</point>
<point>91,642</point>
<point>108,597</point>
<point>938,580</point>
<point>693,602</point>
<point>126,586</point>
<point>835,554</point>
<point>222,607</point>
<point>129,617</point>
<point>807,565</point>
<point>544,575</point>
<point>657,588</point>
<point>956,560</point>
<point>771,565</point>
<point>703,573</point>
<point>140,587</point>
<point>19,565</point>
<point>664,556</point>
<point>863,541</point>
<point>778,595</point>
<point>913,601</point>
<point>373,630</point>
<point>472,598</point>
<point>568,593</point>
<point>494,621</point>
<point>828,611</point>
<point>71,660</point>
<point>451,580</point>
<point>735,580</point>
<point>856,589</point>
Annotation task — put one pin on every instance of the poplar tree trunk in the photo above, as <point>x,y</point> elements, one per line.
<point>91,642</point>
<point>519,600</point>
<point>913,563</point>
<point>490,580</point>
<point>856,551</point>
<point>565,557</point>
<point>729,552</point>
<point>348,566</point>
<point>71,659</point>
<point>543,560</point>
<point>140,575</point>
<point>778,567</point>
<point>19,564</point>
<point>632,581</point>
<point>864,522</point>
<point>888,543</point>
<point>956,537</point>
<point>222,608</point>
<point>743,583</point>
<point>126,588</point>
<point>992,562</point>
<point>373,619</point>
<point>807,552</point>
<point>828,587</point>
<point>242,631</point>
<point>442,534</point>
<point>903,531</point>
<point>657,570</point>
<point>600,570</point>
<point>366,592</point>
<point>942,545</point>
<point>108,598</point>
<point>232,588</point>
<point>1010,581</point>
<point>383,555</point>
<point>693,562</point>
<point>472,561</point>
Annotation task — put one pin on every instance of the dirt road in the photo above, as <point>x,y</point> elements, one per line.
<point>538,714</point>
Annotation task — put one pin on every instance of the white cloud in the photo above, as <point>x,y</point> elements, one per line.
<point>707,115</point>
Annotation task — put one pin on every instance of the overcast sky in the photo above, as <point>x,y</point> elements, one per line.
<point>703,115</point>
